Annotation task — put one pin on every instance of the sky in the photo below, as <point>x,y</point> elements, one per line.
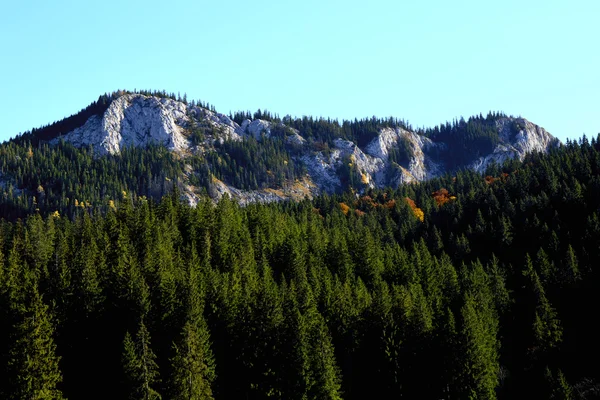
<point>427,62</point>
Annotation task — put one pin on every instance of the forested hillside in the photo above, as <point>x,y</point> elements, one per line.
<point>63,178</point>
<point>250,156</point>
<point>465,286</point>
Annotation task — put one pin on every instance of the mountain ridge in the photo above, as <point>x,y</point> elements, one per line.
<point>359,155</point>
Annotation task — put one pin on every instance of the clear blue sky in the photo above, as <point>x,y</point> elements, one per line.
<point>425,61</point>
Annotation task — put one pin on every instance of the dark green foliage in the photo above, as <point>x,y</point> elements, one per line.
<point>488,297</point>
<point>139,366</point>
<point>33,363</point>
<point>323,131</point>
<point>193,369</point>
<point>250,164</point>
<point>66,179</point>
<point>402,153</point>
<point>192,364</point>
<point>467,140</point>
<point>36,176</point>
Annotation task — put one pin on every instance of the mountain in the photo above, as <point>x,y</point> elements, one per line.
<point>459,287</point>
<point>262,157</point>
<point>465,285</point>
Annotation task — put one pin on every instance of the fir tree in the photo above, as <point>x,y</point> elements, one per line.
<point>139,366</point>
<point>33,363</point>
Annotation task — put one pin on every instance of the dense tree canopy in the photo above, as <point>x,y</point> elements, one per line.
<point>466,286</point>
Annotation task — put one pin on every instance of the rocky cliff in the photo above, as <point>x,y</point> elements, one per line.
<point>139,120</point>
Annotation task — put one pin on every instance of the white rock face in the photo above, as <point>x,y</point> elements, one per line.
<point>532,138</point>
<point>244,197</point>
<point>381,145</point>
<point>420,166</point>
<point>368,166</point>
<point>138,120</point>
<point>375,166</point>
<point>295,139</point>
<point>134,120</point>
<point>228,130</point>
<point>529,138</point>
<point>298,191</point>
<point>257,128</point>
<point>323,170</point>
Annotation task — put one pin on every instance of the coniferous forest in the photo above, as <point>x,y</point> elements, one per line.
<point>467,286</point>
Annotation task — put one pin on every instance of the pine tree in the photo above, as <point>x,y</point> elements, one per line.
<point>571,266</point>
<point>294,374</point>
<point>547,330</point>
<point>326,374</point>
<point>498,287</point>
<point>139,366</point>
<point>480,363</point>
<point>478,337</point>
<point>546,268</point>
<point>33,362</point>
<point>193,369</point>
<point>559,388</point>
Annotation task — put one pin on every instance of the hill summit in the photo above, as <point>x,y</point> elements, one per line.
<point>262,157</point>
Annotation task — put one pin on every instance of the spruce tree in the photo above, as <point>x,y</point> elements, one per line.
<point>192,364</point>
<point>34,364</point>
<point>139,366</point>
<point>193,369</point>
<point>480,366</point>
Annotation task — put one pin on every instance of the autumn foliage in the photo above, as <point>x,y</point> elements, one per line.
<point>416,210</point>
<point>366,203</point>
<point>442,196</point>
<point>390,204</point>
<point>490,179</point>
<point>344,208</point>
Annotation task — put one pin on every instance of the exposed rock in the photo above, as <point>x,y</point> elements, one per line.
<point>380,146</point>
<point>245,124</point>
<point>257,128</point>
<point>138,120</point>
<point>417,166</point>
<point>134,120</point>
<point>401,177</point>
<point>420,166</point>
<point>297,190</point>
<point>516,142</point>
<point>227,129</point>
<point>295,139</point>
<point>366,165</point>
<point>323,170</point>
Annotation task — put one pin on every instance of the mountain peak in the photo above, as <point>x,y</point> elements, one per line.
<point>327,152</point>
<point>133,120</point>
